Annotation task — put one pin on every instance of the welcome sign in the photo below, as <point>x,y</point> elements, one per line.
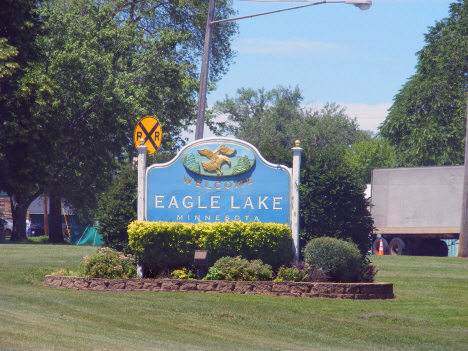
<point>217,180</point>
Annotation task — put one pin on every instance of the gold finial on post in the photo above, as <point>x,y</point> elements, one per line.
<point>142,141</point>
<point>297,143</point>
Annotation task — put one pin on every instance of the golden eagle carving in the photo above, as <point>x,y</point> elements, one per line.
<point>216,159</point>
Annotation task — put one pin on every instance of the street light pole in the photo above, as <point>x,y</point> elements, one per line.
<point>361,4</point>
<point>204,71</point>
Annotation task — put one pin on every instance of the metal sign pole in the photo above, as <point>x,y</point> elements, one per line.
<point>141,181</point>
<point>142,149</point>
<point>204,72</point>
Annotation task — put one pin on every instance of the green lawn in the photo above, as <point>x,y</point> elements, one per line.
<point>430,311</point>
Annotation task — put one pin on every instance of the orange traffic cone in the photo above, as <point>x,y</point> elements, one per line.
<point>381,251</point>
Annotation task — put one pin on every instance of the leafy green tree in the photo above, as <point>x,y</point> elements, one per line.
<point>368,154</point>
<point>332,202</point>
<point>19,26</point>
<point>23,147</point>
<point>273,120</point>
<point>426,123</point>
<point>188,19</point>
<point>117,208</point>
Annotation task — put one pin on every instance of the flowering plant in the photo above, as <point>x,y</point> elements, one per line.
<point>183,273</point>
<point>108,263</point>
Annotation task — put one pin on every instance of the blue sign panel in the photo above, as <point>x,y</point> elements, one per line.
<point>217,180</point>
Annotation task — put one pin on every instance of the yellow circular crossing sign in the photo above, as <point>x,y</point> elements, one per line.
<point>150,130</point>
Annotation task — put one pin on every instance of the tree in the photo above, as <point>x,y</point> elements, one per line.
<point>117,208</point>
<point>273,120</point>
<point>19,27</point>
<point>186,18</point>
<point>368,154</point>
<point>426,123</point>
<point>23,146</point>
<point>332,202</point>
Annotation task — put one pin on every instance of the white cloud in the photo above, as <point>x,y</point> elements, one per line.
<point>288,47</point>
<point>369,117</point>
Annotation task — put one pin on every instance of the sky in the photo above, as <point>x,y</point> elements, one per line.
<point>333,52</point>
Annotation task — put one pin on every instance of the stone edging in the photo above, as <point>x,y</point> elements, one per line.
<point>358,291</point>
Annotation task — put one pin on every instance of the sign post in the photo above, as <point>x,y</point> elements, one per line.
<point>296,181</point>
<point>147,137</point>
<point>142,149</point>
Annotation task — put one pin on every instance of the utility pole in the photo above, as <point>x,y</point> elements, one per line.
<point>204,71</point>
<point>462,241</point>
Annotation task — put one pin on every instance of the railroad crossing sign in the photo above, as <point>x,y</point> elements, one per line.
<point>150,130</point>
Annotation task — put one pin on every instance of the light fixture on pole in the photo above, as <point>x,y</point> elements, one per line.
<point>361,4</point>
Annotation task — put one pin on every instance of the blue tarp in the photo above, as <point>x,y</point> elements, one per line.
<point>85,236</point>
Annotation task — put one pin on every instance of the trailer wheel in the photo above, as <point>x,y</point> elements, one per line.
<point>376,246</point>
<point>397,247</point>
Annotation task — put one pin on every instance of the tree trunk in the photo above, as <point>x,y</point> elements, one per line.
<point>19,209</point>
<point>55,218</point>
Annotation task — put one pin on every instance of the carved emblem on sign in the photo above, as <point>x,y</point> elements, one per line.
<point>216,160</point>
<point>217,163</point>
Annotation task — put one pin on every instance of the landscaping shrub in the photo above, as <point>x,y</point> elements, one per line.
<point>162,246</point>
<point>301,272</point>
<point>317,276</point>
<point>269,242</point>
<point>183,273</point>
<point>214,274</point>
<point>240,269</point>
<point>296,273</point>
<point>171,245</point>
<point>108,263</point>
<point>339,259</point>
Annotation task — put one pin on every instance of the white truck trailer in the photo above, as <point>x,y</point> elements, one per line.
<point>416,209</point>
